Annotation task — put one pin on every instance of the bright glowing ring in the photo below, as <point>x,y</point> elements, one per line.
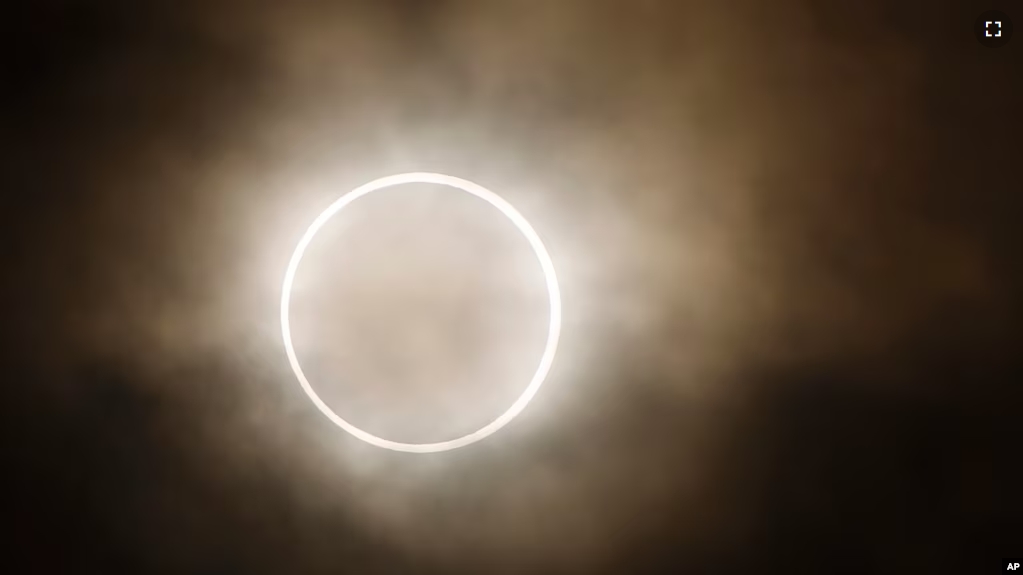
<point>553,292</point>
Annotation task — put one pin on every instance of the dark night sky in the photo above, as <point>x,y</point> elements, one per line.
<point>787,235</point>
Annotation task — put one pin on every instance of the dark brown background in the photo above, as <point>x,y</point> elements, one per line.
<point>787,235</point>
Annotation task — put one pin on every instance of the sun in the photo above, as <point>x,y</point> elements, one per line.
<point>550,277</point>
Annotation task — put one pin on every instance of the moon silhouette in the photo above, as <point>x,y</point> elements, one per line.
<point>553,331</point>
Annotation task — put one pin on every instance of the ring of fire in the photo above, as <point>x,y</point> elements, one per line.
<point>553,331</point>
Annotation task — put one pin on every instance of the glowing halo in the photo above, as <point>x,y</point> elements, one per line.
<point>553,292</point>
